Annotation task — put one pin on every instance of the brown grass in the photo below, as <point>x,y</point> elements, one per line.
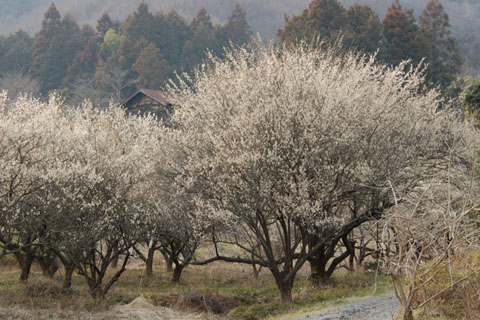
<point>460,302</point>
<point>218,290</point>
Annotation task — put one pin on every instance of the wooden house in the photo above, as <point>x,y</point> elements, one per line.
<point>150,101</point>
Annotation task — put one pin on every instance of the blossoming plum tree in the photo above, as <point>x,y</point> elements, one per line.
<point>73,181</point>
<point>27,146</point>
<point>296,148</point>
<point>171,225</point>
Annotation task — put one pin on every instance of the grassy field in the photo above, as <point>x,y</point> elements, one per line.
<point>218,290</point>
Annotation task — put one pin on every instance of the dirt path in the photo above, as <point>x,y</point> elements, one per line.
<point>376,308</point>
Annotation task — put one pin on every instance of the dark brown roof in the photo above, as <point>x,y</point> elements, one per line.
<point>159,96</point>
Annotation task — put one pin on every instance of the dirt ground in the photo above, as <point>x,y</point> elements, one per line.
<point>140,309</point>
<point>375,308</point>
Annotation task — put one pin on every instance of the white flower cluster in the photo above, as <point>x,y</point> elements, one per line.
<point>298,147</point>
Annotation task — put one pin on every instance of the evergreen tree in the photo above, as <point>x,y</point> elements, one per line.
<point>151,68</point>
<point>236,28</point>
<point>85,62</point>
<point>104,24</point>
<point>51,26</point>
<point>72,37</point>
<point>201,20</point>
<point>179,34</point>
<point>203,39</point>
<point>402,37</point>
<point>442,53</point>
<point>87,33</point>
<point>16,53</point>
<point>55,47</point>
<point>364,31</point>
<point>141,24</point>
<point>323,20</point>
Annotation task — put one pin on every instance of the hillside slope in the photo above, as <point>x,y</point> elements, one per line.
<point>264,16</point>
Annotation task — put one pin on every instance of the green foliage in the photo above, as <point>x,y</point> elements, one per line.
<point>324,20</point>
<point>16,53</point>
<point>64,94</point>
<point>145,49</point>
<point>55,47</point>
<point>440,47</point>
<point>471,99</point>
<point>112,41</point>
<point>402,39</point>
<point>397,38</point>
<point>364,31</point>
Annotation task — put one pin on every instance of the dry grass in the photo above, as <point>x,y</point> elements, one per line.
<point>460,302</point>
<point>217,291</point>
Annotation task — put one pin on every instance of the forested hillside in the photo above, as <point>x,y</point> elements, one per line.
<point>398,37</point>
<point>111,59</point>
<point>464,18</point>
<point>264,16</point>
<point>124,46</point>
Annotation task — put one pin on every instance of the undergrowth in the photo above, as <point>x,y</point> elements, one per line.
<point>462,301</point>
<point>218,288</point>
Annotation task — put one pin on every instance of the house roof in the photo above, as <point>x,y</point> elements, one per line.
<point>159,96</point>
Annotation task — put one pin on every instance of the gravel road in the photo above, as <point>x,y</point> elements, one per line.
<point>376,308</point>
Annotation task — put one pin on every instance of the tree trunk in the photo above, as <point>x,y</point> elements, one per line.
<point>177,272</point>
<point>49,264</point>
<point>115,258</point>
<point>256,271</point>
<point>350,248</point>
<point>25,262</point>
<point>407,314</point>
<point>168,261</point>
<point>404,311</point>
<point>318,262</point>
<point>351,263</point>
<point>96,291</point>
<point>149,262</point>
<point>67,281</point>
<point>286,293</point>
<point>285,287</point>
<point>318,270</point>
<point>26,267</point>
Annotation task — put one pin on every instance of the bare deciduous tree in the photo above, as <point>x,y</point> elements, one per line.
<point>428,235</point>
